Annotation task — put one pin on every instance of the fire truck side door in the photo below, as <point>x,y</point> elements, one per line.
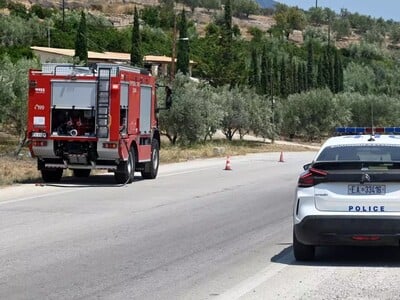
<point>145,109</point>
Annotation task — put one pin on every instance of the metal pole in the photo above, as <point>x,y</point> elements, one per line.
<point>172,74</point>
<point>272,107</point>
<point>273,119</point>
<point>63,13</point>
<point>48,36</point>
<point>316,3</point>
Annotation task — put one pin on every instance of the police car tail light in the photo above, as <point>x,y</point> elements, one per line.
<point>366,238</point>
<point>308,179</point>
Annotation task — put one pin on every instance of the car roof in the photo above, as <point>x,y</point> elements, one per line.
<point>348,140</point>
<point>360,140</point>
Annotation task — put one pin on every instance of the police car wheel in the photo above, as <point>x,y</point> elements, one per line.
<point>302,252</point>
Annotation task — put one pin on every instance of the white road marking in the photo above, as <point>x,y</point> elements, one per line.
<point>42,195</point>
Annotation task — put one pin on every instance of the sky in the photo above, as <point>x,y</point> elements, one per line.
<point>387,9</point>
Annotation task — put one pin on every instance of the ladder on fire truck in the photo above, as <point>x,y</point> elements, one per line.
<point>103,102</point>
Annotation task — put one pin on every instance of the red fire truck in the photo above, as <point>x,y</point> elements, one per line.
<point>86,118</point>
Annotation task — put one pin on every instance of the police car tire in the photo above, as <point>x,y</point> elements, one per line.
<point>51,175</point>
<point>302,252</point>
<point>81,172</point>
<point>126,169</point>
<point>151,168</point>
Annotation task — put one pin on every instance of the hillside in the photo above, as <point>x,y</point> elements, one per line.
<point>119,12</point>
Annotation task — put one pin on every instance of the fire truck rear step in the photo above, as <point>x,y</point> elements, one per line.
<point>66,166</point>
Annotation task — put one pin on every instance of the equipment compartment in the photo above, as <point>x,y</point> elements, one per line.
<point>73,122</point>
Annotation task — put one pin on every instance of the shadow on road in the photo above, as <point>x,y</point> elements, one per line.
<point>345,256</point>
<point>103,180</point>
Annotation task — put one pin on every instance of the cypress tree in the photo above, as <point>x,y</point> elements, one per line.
<point>304,82</point>
<point>228,22</point>
<point>328,68</point>
<point>321,82</point>
<point>270,74</point>
<point>341,77</point>
<point>136,51</point>
<point>225,57</point>
<point>254,72</point>
<point>81,50</point>
<point>295,76</point>
<point>264,83</point>
<point>338,73</point>
<point>283,79</point>
<point>182,61</point>
<point>226,39</point>
<point>289,76</point>
<point>310,65</point>
<point>301,75</point>
<point>275,77</point>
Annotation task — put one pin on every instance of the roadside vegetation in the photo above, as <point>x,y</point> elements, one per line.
<point>262,83</point>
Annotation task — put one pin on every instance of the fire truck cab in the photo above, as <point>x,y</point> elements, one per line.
<point>86,118</point>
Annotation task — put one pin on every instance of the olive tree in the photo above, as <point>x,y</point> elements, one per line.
<point>289,20</point>
<point>195,113</point>
<point>236,111</point>
<point>359,78</point>
<point>260,113</point>
<point>313,114</point>
<point>368,110</point>
<point>212,111</point>
<point>16,31</point>
<point>13,96</point>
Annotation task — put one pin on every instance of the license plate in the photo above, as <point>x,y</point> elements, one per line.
<point>366,189</point>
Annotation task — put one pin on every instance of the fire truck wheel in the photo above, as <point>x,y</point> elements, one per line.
<point>151,168</point>
<point>126,169</point>
<point>51,175</point>
<point>81,172</point>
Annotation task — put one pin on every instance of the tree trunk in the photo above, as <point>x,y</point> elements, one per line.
<point>22,141</point>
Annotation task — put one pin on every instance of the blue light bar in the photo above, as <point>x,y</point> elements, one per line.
<point>366,130</point>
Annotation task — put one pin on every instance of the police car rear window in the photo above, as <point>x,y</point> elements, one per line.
<point>372,153</point>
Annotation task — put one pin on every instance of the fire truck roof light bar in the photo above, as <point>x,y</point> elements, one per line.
<point>367,130</point>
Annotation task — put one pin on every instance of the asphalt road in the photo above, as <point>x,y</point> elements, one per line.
<point>196,232</point>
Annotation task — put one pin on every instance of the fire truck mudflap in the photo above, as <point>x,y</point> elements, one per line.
<point>83,119</point>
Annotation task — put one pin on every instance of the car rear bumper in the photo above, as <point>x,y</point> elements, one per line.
<point>348,230</point>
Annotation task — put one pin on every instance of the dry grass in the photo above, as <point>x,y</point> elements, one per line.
<point>23,168</point>
<point>14,170</point>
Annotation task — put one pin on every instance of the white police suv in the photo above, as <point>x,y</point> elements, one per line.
<point>350,193</point>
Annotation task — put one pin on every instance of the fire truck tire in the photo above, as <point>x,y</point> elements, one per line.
<point>81,172</point>
<point>126,169</point>
<point>151,168</point>
<point>51,175</point>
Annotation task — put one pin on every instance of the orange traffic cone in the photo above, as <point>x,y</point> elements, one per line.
<point>281,157</point>
<point>228,164</point>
